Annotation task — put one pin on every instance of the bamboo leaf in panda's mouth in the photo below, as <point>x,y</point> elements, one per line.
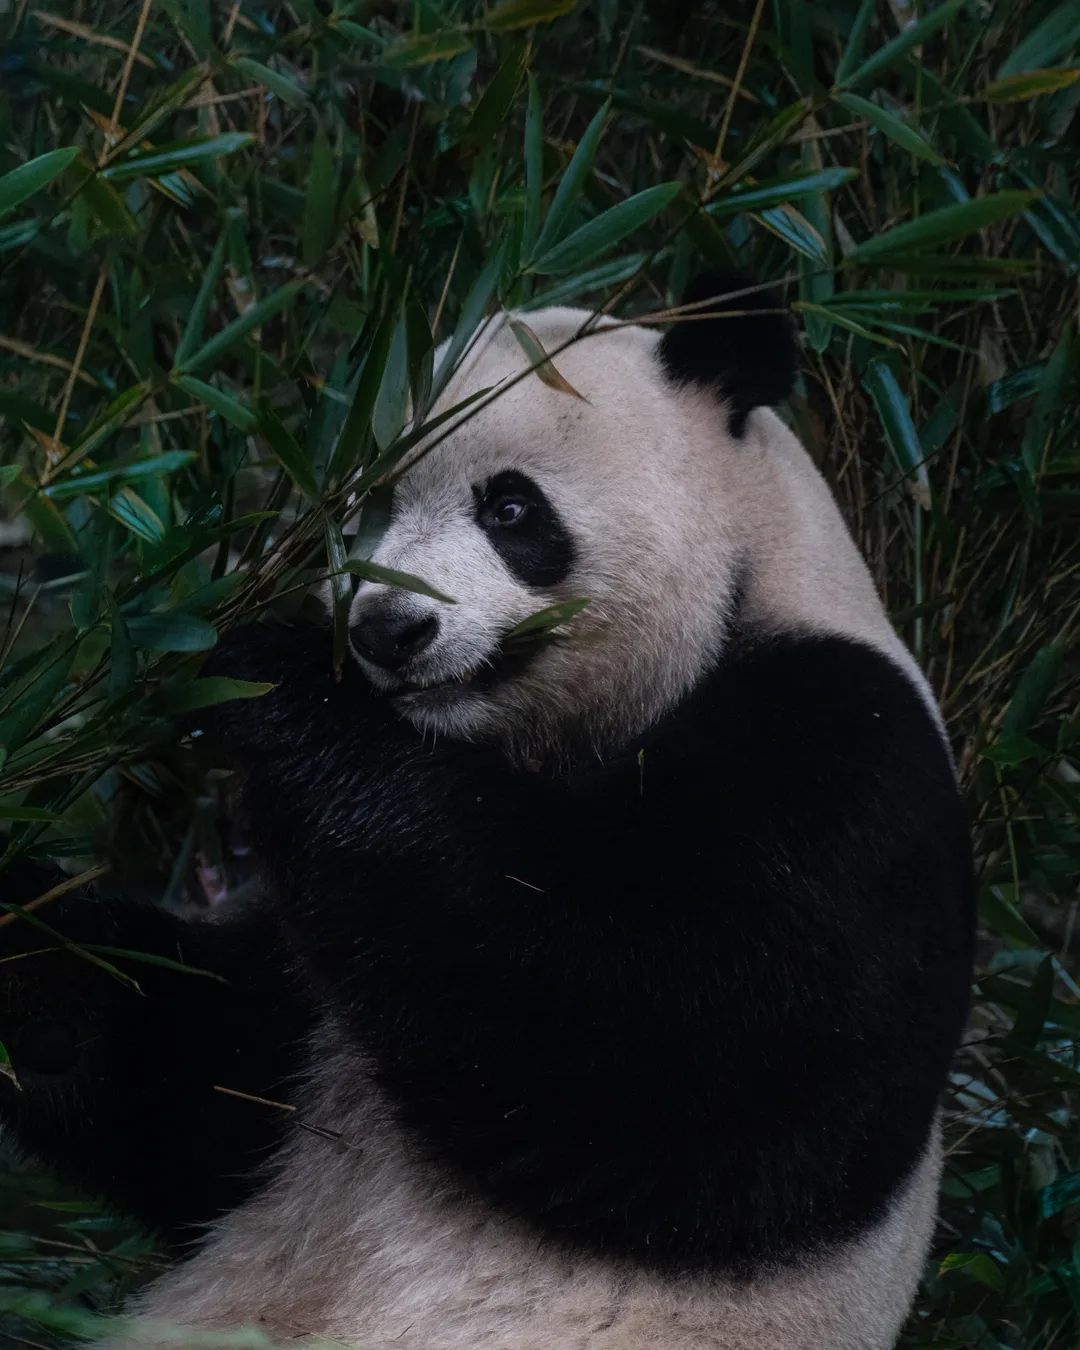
<point>544,622</point>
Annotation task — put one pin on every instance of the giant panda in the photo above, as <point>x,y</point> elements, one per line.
<point>606,986</point>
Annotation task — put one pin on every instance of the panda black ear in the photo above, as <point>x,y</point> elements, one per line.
<point>743,347</point>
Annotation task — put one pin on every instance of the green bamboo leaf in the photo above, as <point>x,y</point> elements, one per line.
<point>491,111</point>
<point>253,317</point>
<point>171,632</point>
<point>122,662</point>
<point>891,126</point>
<point>160,105</point>
<point>912,36</point>
<point>1003,917</point>
<point>1046,416</point>
<point>534,168</point>
<point>288,452</point>
<point>183,696</point>
<point>1058,33</point>
<point>114,416</point>
<point>605,231</point>
<point>353,442</point>
<point>193,330</point>
<point>775,132</point>
<point>179,155</point>
<point>47,678</point>
<point>795,230</point>
<point>224,404</point>
<point>45,518</point>
<point>318,227</point>
<point>778,191</point>
<point>428,47</point>
<point>945,225</point>
<point>524,13</point>
<point>1033,690</point>
<point>283,86</point>
<point>31,177</point>
<point>33,815</point>
<point>87,955</point>
<point>142,520</point>
<point>389,576</point>
<point>979,1266</point>
<point>17,234</point>
<point>392,402</point>
<point>595,279</point>
<point>1030,84</point>
<point>544,621</point>
<point>340,590</point>
<point>892,408</point>
<point>123,471</point>
<point>9,473</point>
<point>853,48</point>
<point>471,314</point>
<point>104,202</point>
<point>571,183</point>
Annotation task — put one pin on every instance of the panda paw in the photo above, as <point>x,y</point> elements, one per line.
<point>306,701</point>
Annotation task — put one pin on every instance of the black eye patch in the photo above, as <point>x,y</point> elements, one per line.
<point>524,529</point>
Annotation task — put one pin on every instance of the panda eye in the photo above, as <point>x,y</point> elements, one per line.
<point>508,511</point>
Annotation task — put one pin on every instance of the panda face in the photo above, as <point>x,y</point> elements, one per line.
<point>615,498</point>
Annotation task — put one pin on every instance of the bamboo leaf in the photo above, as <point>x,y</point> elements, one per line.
<point>601,235</point>
<point>138,516</point>
<point>185,696</point>
<point>945,225</point>
<point>180,155</point>
<point>912,36</point>
<point>545,621</point>
<point>789,188</point>
<point>193,330</point>
<point>389,576</point>
<point>534,168</point>
<point>283,86</point>
<point>1030,84</point>
<point>895,415</point>
<point>795,230</point>
<point>471,314</point>
<point>491,111</point>
<point>891,126</point>
<point>22,183</point>
<point>340,589</point>
<point>228,407</point>
<point>171,632</point>
<point>511,14</point>
<point>253,317</point>
<point>422,50</point>
<point>571,183</point>
<point>540,361</point>
<point>853,48</point>
<point>318,227</point>
<point>1057,34</point>
<point>288,452</point>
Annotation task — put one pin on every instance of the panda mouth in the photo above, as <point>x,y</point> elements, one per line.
<point>505,664</point>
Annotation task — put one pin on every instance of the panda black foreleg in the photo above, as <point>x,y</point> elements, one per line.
<point>117,1077</point>
<point>694,1004</point>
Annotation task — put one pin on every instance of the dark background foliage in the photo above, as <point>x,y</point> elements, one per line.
<point>229,234</point>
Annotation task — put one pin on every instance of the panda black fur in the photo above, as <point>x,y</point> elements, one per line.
<point>615,988</point>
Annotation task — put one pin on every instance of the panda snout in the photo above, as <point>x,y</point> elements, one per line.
<point>391,640</point>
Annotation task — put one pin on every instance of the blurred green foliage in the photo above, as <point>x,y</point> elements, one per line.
<point>230,236</point>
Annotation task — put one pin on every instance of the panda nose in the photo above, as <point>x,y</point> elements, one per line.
<point>389,642</point>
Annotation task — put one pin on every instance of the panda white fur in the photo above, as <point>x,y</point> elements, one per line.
<point>614,984</point>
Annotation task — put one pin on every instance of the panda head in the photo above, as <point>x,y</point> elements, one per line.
<point>616,497</point>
